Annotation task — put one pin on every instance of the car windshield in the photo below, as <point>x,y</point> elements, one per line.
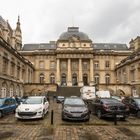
<point>110,101</point>
<point>1,101</point>
<point>33,101</point>
<point>138,100</point>
<point>73,102</point>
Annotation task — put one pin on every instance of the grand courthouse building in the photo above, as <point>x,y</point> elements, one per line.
<point>74,60</point>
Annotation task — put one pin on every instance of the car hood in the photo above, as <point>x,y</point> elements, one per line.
<point>75,108</point>
<point>29,107</point>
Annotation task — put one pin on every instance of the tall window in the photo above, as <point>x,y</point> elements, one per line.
<point>41,78</point>
<point>107,79</point>
<point>5,65</point>
<point>52,65</point>
<point>85,65</point>
<point>63,65</point>
<point>96,78</point>
<point>18,71</point>
<point>12,69</point>
<point>41,64</point>
<point>96,64</point>
<point>132,73</point>
<point>52,78</point>
<point>107,64</point>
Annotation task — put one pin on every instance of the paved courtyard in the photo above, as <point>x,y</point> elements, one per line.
<point>95,129</point>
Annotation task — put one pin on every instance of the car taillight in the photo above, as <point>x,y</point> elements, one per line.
<point>106,107</point>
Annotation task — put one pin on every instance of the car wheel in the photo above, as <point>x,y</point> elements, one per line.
<point>123,119</point>
<point>43,114</point>
<point>99,114</point>
<point>1,114</point>
<point>138,114</point>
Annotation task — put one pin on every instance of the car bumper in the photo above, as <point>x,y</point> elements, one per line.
<point>118,114</point>
<point>27,116</point>
<point>75,117</point>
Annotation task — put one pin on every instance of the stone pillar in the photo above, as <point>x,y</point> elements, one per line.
<point>69,83</point>
<point>80,73</point>
<point>91,72</point>
<point>58,71</point>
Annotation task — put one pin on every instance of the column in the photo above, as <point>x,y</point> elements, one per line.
<point>69,83</point>
<point>91,72</point>
<point>80,73</point>
<point>58,71</point>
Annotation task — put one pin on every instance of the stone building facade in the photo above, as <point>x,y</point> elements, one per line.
<point>74,60</point>
<point>15,70</point>
<point>128,70</point>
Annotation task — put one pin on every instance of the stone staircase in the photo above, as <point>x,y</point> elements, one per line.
<point>66,91</point>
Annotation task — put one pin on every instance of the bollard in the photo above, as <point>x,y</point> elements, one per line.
<point>115,118</point>
<point>52,117</point>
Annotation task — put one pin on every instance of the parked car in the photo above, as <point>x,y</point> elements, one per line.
<point>7,105</point>
<point>74,108</point>
<point>106,107</point>
<point>32,107</point>
<point>88,93</point>
<point>134,104</point>
<point>60,99</point>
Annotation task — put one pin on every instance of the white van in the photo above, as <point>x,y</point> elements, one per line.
<point>103,94</point>
<point>88,92</point>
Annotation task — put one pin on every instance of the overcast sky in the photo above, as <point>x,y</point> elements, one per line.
<point>115,21</point>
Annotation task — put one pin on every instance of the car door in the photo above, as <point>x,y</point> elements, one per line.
<point>12,105</point>
<point>6,107</point>
<point>133,106</point>
<point>97,105</point>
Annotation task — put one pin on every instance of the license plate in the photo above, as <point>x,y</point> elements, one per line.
<point>119,116</point>
<point>76,115</point>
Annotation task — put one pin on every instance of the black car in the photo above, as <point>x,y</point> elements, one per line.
<point>106,107</point>
<point>74,108</point>
<point>133,104</point>
<point>60,99</point>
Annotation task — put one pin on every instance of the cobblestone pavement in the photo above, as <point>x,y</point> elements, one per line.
<point>95,129</point>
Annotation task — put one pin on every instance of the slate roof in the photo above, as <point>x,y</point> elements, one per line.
<point>96,46</point>
<point>110,46</point>
<point>42,46</point>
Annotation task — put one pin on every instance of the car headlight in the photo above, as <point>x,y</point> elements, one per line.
<point>17,110</point>
<point>65,110</point>
<point>39,109</point>
<point>86,110</point>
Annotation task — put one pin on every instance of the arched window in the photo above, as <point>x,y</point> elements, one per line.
<point>63,79</point>
<point>97,78</point>
<point>107,79</point>
<point>41,78</point>
<point>74,79</point>
<point>52,78</point>
<point>85,79</point>
<point>11,90</point>
<point>4,90</point>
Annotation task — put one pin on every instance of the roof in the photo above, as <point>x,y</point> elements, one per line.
<point>42,46</point>
<point>73,31</point>
<point>110,46</point>
<point>52,46</point>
